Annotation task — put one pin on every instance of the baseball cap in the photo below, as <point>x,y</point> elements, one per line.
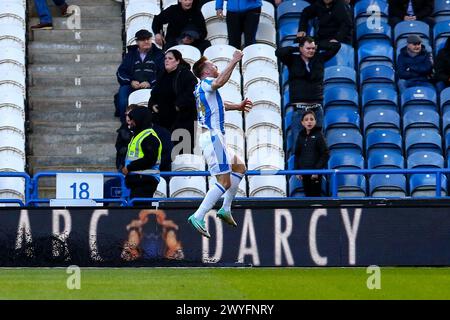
<point>143,34</point>
<point>413,38</point>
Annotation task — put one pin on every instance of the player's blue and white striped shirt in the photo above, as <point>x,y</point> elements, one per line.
<point>210,108</point>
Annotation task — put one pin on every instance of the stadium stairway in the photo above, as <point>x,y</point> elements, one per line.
<point>71,87</point>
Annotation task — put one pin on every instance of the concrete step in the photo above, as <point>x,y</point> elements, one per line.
<point>75,91</point>
<point>73,69</point>
<point>80,161</point>
<point>81,138</point>
<point>69,128</point>
<point>82,3</point>
<point>88,10</point>
<point>111,23</point>
<point>104,113</point>
<point>69,168</point>
<point>79,47</point>
<point>71,58</point>
<point>75,35</point>
<point>69,104</point>
<point>66,148</point>
<point>72,81</point>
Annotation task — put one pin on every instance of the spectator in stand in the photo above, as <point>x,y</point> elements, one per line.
<point>311,152</point>
<point>306,72</point>
<point>242,18</point>
<point>172,100</point>
<point>139,68</point>
<point>186,25</point>
<point>334,22</point>
<point>45,17</point>
<point>410,10</point>
<point>414,65</point>
<point>443,67</point>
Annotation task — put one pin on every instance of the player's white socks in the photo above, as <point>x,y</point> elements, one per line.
<point>214,194</point>
<point>231,192</point>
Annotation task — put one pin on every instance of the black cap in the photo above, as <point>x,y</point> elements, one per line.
<point>143,34</point>
<point>413,38</point>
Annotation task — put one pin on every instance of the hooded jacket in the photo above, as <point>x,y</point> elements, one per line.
<point>334,22</point>
<point>311,151</point>
<point>150,68</point>
<point>443,64</point>
<point>422,8</point>
<point>417,68</point>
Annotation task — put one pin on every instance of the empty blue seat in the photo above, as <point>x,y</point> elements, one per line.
<point>379,52</point>
<point>441,10</point>
<point>349,139</point>
<point>290,10</point>
<point>424,185</point>
<point>405,28</point>
<point>422,140</point>
<point>291,139</point>
<point>383,139</point>
<point>417,118</point>
<point>366,32</point>
<point>445,99</point>
<point>371,8</point>
<point>284,76</point>
<point>385,158</point>
<point>336,96</point>
<point>387,185</point>
<point>295,187</point>
<point>291,163</point>
<point>339,75</point>
<point>441,32</point>
<point>349,160</point>
<point>345,57</point>
<point>425,159</point>
<point>446,123</point>
<point>381,118</point>
<point>286,98</point>
<point>384,96</point>
<point>288,118</point>
<point>447,145</point>
<point>287,30</point>
<point>378,75</point>
<point>351,185</point>
<point>339,117</point>
<point>422,97</point>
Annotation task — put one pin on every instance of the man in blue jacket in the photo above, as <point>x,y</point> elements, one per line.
<point>414,65</point>
<point>242,17</point>
<point>139,69</point>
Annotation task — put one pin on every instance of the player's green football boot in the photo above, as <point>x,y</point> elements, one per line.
<point>226,216</point>
<point>199,225</point>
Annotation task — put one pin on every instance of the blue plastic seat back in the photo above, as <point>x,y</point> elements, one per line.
<point>424,180</point>
<point>425,159</point>
<point>288,30</point>
<point>349,182</point>
<point>441,10</point>
<point>385,158</point>
<point>384,139</point>
<point>446,122</point>
<point>418,96</point>
<point>340,75</point>
<point>344,139</point>
<point>350,160</point>
<point>338,117</point>
<point>295,186</point>
<point>441,30</point>
<point>375,52</point>
<point>377,74</point>
<point>368,8</point>
<point>416,118</point>
<point>404,28</point>
<point>445,98</point>
<point>379,96</point>
<point>291,8</point>
<point>365,31</point>
<point>344,57</point>
<point>423,139</point>
<point>342,96</point>
<point>387,181</point>
<point>381,118</point>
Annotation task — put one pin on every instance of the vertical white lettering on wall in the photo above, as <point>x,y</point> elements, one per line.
<point>93,233</point>
<point>281,237</point>
<point>60,236</point>
<point>248,230</point>
<point>219,239</point>
<point>24,233</point>
<point>352,230</point>
<point>315,255</point>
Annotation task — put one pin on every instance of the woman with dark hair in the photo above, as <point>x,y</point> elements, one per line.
<point>311,152</point>
<point>443,67</point>
<point>172,100</point>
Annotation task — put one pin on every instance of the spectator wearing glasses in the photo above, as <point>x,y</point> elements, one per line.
<point>414,65</point>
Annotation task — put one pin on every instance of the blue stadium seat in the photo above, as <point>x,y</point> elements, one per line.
<point>425,159</point>
<point>402,43</point>
<point>368,8</point>
<point>290,10</point>
<point>424,185</point>
<point>340,75</point>
<point>385,159</point>
<point>296,187</point>
<point>349,160</point>
<point>417,118</point>
<point>446,123</point>
<point>387,185</point>
<point>286,98</point>
<point>375,52</point>
<point>441,10</point>
<point>291,139</point>
<point>341,117</point>
<point>335,96</point>
<point>284,76</point>
<point>383,96</point>
<point>366,32</point>
<point>445,99</point>
<point>381,118</point>
<point>421,97</point>
<point>351,185</point>
<point>378,75</point>
<point>288,119</point>
<point>447,146</point>
<point>291,163</point>
<point>403,29</point>
<point>345,57</point>
<point>422,140</point>
<point>383,139</point>
<point>441,32</point>
<point>287,30</point>
<point>348,139</point>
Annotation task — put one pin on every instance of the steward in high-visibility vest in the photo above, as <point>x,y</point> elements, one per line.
<point>143,155</point>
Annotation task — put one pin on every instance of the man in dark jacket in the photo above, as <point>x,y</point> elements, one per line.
<point>306,76</point>
<point>139,69</point>
<point>443,67</point>
<point>334,22</point>
<point>414,65</point>
<point>410,10</point>
<point>186,25</point>
<point>143,156</point>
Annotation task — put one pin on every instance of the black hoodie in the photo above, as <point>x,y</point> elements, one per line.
<point>443,64</point>
<point>311,151</point>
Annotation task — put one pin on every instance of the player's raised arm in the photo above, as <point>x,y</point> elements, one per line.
<point>225,75</point>
<point>246,105</point>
